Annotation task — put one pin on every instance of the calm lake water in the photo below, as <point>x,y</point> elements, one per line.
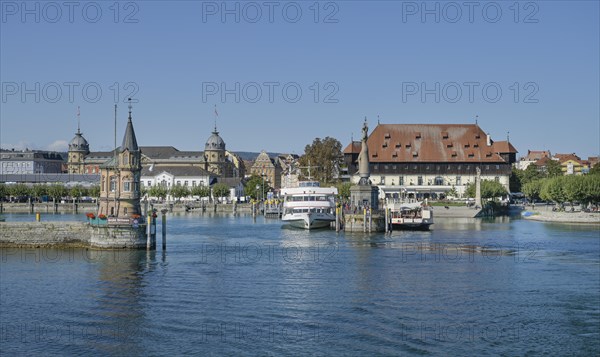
<point>231,286</point>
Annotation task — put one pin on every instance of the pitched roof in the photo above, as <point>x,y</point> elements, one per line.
<point>129,140</point>
<point>159,152</point>
<point>566,157</point>
<point>503,147</point>
<point>175,170</point>
<point>430,143</point>
<point>353,148</point>
<point>533,155</point>
<point>542,162</point>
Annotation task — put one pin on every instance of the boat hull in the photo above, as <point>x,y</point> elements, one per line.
<point>308,221</point>
<point>411,226</point>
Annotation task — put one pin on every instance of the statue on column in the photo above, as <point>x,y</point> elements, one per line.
<point>363,157</point>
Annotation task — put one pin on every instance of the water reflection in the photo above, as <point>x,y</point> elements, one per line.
<point>119,297</point>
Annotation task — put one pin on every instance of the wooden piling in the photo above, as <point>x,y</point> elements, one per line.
<point>164,231</point>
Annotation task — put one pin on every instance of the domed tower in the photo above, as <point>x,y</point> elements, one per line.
<point>214,153</point>
<point>78,149</point>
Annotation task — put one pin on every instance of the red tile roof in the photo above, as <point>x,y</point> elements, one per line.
<point>504,147</point>
<point>566,157</point>
<point>353,148</point>
<point>536,155</point>
<point>430,143</point>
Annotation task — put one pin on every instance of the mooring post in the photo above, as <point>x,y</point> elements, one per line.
<point>38,217</point>
<point>164,229</point>
<point>370,219</point>
<point>387,221</point>
<point>148,231</point>
<point>337,219</point>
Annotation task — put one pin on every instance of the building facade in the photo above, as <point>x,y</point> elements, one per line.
<point>171,175</point>
<point>268,168</point>
<point>431,159</point>
<point>215,158</point>
<point>30,162</point>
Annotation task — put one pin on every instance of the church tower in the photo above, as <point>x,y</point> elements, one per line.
<point>120,178</point>
<point>78,149</point>
<point>214,153</point>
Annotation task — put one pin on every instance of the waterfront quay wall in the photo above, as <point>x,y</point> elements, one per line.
<point>80,234</point>
<point>48,207</point>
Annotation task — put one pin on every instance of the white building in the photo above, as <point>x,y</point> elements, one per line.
<point>170,175</point>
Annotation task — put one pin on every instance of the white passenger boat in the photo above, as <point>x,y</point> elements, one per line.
<point>309,206</point>
<point>411,216</point>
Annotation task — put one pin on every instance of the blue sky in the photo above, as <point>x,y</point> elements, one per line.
<point>368,58</point>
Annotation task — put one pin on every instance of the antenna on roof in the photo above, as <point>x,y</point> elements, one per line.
<point>508,136</point>
<point>129,106</point>
<point>78,120</point>
<point>377,119</point>
<point>476,119</point>
<point>216,116</point>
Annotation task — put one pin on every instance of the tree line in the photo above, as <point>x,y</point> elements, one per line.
<point>584,189</point>
<point>53,191</point>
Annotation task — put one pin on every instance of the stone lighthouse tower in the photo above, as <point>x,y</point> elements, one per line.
<point>120,178</point>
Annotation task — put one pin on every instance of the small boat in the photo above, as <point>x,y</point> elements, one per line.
<point>309,206</point>
<point>410,216</point>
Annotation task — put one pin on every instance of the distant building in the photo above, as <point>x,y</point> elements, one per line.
<point>428,160</point>
<point>532,156</point>
<point>571,164</point>
<point>268,168</point>
<point>78,149</point>
<point>215,158</point>
<point>30,162</point>
<point>173,175</point>
<point>290,173</point>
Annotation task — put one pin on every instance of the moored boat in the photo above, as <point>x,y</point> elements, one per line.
<point>410,216</point>
<point>309,206</point>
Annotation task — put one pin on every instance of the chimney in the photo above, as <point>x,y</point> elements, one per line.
<point>489,140</point>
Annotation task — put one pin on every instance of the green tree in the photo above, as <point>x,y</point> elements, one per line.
<point>325,157</point>
<point>344,190</point>
<point>3,191</point>
<point>532,189</point>
<point>220,190</point>
<point>94,191</point>
<point>19,190</point>
<point>595,170</point>
<point>77,192</point>
<point>489,190</point>
<point>515,181</point>
<point>552,190</point>
<point>38,191</point>
<point>553,168</point>
<point>57,191</point>
<point>531,173</point>
<point>158,191</point>
<point>179,191</point>
<point>200,191</point>
<point>253,182</point>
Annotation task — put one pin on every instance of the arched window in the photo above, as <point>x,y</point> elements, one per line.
<point>439,181</point>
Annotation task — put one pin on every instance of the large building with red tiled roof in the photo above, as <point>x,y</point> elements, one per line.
<point>431,159</point>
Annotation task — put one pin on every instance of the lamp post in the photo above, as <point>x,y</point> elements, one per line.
<point>257,191</point>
